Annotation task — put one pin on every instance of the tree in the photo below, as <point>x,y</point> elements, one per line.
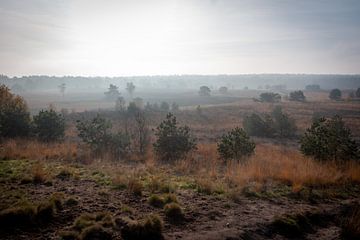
<point>235,145</point>
<point>329,139</point>
<point>297,96</point>
<point>204,91</point>
<point>14,116</point>
<point>254,125</point>
<point>270,97</point>
<point>335,94</point>
<point>49,126</point>
<point>173,142</point>
<point>62,88</point>
<point>357,93</point>
<point>312,87</point>
<point>113,92</point>
<point>174,107</point>
<point>165,107</point>
<point>223,90</point>
<point>95,133</point>
<point>283,124</point>
<point>130,88</point>
<point>139,102</point>
<point>120,104</point>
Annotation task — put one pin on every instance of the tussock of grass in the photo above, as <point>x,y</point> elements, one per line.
<point>135,186</point>
<point>174,212</point>
<point>148,228</point>
<point>350,228</point>
<point>95,232</point>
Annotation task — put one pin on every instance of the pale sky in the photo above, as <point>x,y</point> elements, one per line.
<point>158,37</point>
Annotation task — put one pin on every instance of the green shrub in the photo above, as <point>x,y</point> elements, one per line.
<point>49,126</point>
<point>96,133</point>
<point>270,97</point>
<point>173,142</point>
<point>204,91</point>
<point>283,124</point>
<point>236,145</point>
<point>14,115</point>
<point>255,125</point>
<point>329,139</point>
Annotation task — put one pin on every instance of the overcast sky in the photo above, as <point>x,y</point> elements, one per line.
<point>153,37</point>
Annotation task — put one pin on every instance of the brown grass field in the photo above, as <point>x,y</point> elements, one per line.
<point>62,191</point>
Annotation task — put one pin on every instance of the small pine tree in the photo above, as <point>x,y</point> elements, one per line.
<point>173,142</point>
<point>255,125</point>
<point>270,97</point>
<point>283,124</point>
<point>329,139</point>
<point>49,126</point>
<point>236,145</point>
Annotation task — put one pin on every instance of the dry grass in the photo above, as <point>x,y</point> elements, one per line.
<point>289,166</point>
<point>31,149</point>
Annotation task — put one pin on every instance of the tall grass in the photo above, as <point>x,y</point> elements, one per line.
<point>31,149</point>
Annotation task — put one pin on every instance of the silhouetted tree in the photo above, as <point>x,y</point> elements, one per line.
<point>270,97</point>
<point>113,92</point>
<point>297,96</point>
<point>130,88</point>
<point>223,90</point>
<point>204,91</point>
<point>335,94</point>
<point>62,88</point>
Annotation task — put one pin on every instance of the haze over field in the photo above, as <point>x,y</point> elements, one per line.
<point>117,38</point>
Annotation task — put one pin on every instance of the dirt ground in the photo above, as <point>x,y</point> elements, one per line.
<point>207,216</point>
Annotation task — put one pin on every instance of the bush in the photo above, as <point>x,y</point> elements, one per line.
<point>173,142</point>
<point>14,115</point>
<point>335,94</point>
<point>49,126</point>
<point>277,124</point>
<point>297,96</point>
<point>329,139</point>
<point>350,227</point>
<point>254,125</point>
<point>95,232</point>
<point>96,133</point>
<point>235,145</point>
<point>270,97</point>
<point>283,124</point>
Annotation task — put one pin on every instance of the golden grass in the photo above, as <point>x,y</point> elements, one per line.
<point>289,166</point>
<point>31,149</point>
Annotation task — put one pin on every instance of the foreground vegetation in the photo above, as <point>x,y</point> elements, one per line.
<point>108,175</point>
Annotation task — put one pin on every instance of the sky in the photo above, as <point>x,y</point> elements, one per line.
<point>166,37</point>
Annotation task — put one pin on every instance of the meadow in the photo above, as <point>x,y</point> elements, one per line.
<point>62,190</point>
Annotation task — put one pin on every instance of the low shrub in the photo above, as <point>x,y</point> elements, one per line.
<point>148,228</point>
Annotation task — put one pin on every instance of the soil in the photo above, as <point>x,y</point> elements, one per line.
<point>206,216</point>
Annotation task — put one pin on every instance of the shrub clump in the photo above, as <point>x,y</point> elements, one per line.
<point>297,96</point>
<point>270,97</point>
<point>350,227</point>
<point>49,126</point>
<point>174,212</point>
<point>329,139</point>
<point>236,145</point>
<point>173,142</point>
<point>148,228</point>
<point>96,133</point>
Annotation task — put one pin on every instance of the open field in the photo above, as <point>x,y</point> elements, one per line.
<point>278,194</point>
